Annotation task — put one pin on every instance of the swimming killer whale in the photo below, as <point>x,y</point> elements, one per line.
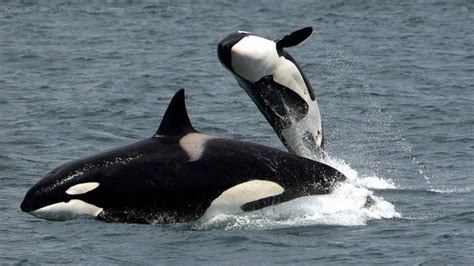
<point>177,175</point>
<point>278,86</point>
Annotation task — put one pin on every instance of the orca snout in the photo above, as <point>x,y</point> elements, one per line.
<point>27,204</point>
<point>34,200</point>
<point>224,48</point>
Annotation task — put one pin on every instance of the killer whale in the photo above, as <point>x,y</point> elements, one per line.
<point>177,175</point>
<point>278,86</point>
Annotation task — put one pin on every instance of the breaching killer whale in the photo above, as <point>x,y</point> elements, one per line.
<point>278,86</point>
<point>177,175</point>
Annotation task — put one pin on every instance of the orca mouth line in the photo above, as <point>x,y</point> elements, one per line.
<point>31,203</point>
<point>37,199</point>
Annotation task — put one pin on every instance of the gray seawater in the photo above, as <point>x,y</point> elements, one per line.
<point>395,81</point>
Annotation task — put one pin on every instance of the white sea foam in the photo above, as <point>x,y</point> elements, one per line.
<point>351,203</point>
<point>346,206</point>
<point>353,177</point>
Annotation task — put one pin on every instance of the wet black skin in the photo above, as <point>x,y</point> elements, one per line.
<point>154,180</point>
<point>280,105</point>
<point>160,179</point>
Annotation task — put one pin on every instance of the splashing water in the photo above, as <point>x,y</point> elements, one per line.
<point>345,206</point>
<point>373,182</point>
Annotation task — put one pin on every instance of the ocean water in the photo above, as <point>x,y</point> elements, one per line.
<point>395,85</point>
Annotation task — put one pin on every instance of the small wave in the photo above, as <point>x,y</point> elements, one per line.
<point>467,216</point>
<point>451,190</point>
<point>434,191</point>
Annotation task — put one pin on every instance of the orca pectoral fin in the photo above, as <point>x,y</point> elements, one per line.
<point>280,105</point>
<point>325,183</point>
<point>293,38</point>
<point>266,202</point>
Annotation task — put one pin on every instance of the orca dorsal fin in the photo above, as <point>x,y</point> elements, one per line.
<point>175,122</point>
<point>293,38</point>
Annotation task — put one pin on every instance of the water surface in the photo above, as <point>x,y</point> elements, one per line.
<point>395,85</point>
